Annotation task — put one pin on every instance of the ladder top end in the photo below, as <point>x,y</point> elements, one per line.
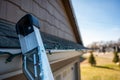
<point>25,25</point>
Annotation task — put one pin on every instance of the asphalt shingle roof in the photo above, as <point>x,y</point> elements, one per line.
<point>9,39</point>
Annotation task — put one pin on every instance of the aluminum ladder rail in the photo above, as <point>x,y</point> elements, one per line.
<point>35,62</point>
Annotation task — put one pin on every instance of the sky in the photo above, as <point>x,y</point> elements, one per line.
<point>98,20</point>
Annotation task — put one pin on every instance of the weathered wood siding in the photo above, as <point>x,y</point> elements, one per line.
<point>51,14</point>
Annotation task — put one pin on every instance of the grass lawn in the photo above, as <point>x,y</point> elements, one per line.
<point>105,70</point>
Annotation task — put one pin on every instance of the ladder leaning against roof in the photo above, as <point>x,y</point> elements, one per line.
<point>35,61</point>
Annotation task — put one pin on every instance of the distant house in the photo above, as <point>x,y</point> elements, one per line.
<point>59,32</point>
<point>116,48</point>
<point>109,49</point>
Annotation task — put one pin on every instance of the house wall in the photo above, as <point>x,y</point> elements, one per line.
<point>66,64</point>
<point>51,14</point>
<point>67,72</point>
<point>70,71</point>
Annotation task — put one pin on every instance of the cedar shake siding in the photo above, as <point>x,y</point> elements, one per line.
<point>55,16</point>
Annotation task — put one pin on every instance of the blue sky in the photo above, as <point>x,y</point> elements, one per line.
<point>99,20</point>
